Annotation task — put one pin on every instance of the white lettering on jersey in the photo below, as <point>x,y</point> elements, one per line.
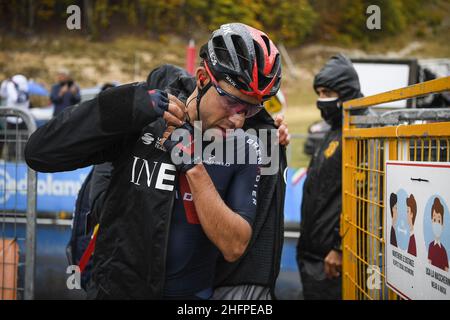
<point>138,167</point>
<point>162,175</point>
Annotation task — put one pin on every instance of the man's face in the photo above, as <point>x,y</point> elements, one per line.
<point>323,92</point>
<point>437,218</point>
<point>217,113</point>
<point>62,77</point>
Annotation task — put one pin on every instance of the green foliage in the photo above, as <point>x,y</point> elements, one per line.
<point>245,11</point>
<point>288,21</point>
<point>45,10</point>
<point>292,22</point>
<point>353,24</point>
<point>344,21</point>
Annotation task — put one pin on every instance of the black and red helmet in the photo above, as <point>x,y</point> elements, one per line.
<point>246,58</point>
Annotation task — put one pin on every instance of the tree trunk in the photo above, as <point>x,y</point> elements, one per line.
<point>87,8</point>
<point>30,15</point>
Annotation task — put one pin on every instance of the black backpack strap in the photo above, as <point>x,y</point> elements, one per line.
<point>79,220</point>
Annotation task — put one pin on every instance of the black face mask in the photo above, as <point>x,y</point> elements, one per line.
<point>330,110</point>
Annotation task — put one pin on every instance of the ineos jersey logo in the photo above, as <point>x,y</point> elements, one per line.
<point>147,138</point>
<point>158,175</point>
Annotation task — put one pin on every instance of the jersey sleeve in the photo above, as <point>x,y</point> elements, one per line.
<point>242,192</point>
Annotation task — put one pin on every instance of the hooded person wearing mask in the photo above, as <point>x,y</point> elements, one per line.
<point>319,254</point>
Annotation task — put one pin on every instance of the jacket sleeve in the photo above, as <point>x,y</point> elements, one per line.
<point>337,240</point>
<point>90,133</point>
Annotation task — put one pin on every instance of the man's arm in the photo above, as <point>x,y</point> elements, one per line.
<point>333,260</point>
<point>96,130</point>
<point>55,97</point>
<point>226,229</point>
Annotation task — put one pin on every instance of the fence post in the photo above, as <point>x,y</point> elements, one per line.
<point>30,242</point>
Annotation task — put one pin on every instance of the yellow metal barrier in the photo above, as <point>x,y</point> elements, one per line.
<point>365,151</point>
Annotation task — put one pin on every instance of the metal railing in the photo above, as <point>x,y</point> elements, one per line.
<point>368,142</point>
<point>17,224</point>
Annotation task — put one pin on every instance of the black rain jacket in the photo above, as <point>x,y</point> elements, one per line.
<point>265,247</point>
<point>322,190</point>
<point>130,254</point>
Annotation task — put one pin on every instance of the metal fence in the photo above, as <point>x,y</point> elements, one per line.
<point>17,225</point>
<point>368,142</point>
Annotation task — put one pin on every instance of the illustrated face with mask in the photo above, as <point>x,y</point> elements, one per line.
<point>329,105</point>
<point>437,224</point>
<point>394,215</point>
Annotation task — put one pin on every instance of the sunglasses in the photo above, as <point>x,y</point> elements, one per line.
<point>232,102</point>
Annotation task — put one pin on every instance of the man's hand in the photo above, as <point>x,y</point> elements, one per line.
<point>283,134</point>
<point>73,89</point>
<point>176,113</point>
<point>333,264</point>
<point>63,90</point>
<point>168,107</point>
<point>181,147</point>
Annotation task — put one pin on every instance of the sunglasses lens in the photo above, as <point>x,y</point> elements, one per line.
<point>247,110</point>
<point>237,104</point>
<point>252,111</point>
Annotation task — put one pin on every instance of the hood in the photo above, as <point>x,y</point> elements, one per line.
<point>173,79</point>
<point>21,82</point>
<point>339,75</point>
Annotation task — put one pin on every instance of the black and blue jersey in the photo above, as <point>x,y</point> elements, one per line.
<point>191,256</point>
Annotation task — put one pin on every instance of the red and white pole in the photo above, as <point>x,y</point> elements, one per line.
<point>190,57</point>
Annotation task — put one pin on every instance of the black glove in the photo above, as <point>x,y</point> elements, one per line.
<point>181,148</point>
<point>159,101</point>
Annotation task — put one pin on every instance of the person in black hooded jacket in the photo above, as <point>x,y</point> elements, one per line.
<point>319,252</point>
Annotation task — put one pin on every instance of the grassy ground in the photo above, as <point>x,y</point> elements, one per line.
<point>124,59</point>
<point>299,118</point>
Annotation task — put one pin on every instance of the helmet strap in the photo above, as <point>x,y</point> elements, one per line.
<point>201,93</point>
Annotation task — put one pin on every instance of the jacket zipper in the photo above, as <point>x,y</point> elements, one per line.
<point>166,241</point>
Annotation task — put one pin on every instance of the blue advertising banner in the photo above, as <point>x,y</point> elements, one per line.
<point>55,191</point>
<point>295,178</point>
<point>58,191</point>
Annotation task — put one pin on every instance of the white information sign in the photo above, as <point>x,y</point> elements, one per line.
<point>417,229</point>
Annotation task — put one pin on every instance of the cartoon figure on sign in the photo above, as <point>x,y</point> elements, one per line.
<point>437,255</point>
<point>411,216</point>
<point>399,218</point>
<point>394,215</point>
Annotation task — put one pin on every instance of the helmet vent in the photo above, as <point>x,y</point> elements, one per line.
<point>222,53</point>
<point>259,56</point>
<point>241,53</point>
<point>267,42</point>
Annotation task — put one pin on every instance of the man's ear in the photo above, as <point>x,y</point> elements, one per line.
<point>202,77</point>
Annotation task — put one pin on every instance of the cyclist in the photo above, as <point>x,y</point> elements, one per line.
<point>164,224</point>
